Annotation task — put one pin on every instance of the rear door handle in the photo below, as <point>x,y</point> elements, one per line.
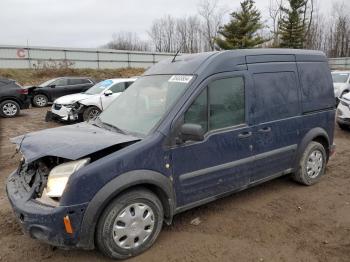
<point>264,130</point>
<point>244,134</point>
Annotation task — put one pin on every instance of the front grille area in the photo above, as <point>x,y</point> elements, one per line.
<point>57,106</point>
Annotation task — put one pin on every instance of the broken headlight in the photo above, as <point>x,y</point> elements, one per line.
<point>59,175</point>
<point>74,105</point>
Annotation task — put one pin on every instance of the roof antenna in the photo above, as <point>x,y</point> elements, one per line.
<point>178,51</point>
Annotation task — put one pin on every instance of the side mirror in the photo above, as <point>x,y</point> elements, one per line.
<point>52,86</point>
<point>108,93</point>
<point>192,132</point>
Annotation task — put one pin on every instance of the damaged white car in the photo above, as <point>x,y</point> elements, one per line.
<point>89,104</point>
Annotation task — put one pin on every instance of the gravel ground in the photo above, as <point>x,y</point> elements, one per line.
<point>276,221</point>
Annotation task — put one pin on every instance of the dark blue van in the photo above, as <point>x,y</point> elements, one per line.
<point>190,130</point>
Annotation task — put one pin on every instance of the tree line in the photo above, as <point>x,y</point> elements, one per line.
<point>290,24</point>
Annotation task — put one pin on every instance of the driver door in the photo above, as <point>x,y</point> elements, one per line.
<point>59,89</point>
<point>222,162</point>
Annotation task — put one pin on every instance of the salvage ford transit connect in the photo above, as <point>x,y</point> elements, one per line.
<point>190,130</point>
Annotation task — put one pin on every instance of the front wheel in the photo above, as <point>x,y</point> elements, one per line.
<point>130,224</point>
<point>91,113</point>
<point>312,164</point>
<point>40,100</point>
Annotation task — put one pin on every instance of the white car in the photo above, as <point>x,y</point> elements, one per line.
<point>89,104</point>
<point>341,82</point>
<point>343,112</point>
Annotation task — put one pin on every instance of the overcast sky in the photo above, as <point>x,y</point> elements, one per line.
<point>91,23</point>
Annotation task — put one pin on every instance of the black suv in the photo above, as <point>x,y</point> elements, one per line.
<point>48,91</point>
<point>12,98</point>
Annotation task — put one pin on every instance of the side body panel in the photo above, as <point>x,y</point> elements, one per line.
<point>276,116</point>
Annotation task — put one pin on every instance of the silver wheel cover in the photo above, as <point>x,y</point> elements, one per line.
<point>314,164</point>
<point>133,226</point>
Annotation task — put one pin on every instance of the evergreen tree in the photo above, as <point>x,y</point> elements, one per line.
<point>292,25</point>
<point>241,31</point>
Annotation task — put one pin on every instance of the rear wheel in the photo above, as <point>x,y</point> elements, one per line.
<point>9,108</point>
<point>130,224</point>
<point>312,165</point>
<point>40,100</point>
<point>91,113</point>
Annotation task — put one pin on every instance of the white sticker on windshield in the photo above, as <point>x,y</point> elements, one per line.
<point>180,79</point>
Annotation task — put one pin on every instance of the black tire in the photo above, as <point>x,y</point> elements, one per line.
<point>301,175</point>
<point>40,100</point>
<point>9,108</point>
<point>343,127</point>
<point>90,113</point>
<point>104,233</point>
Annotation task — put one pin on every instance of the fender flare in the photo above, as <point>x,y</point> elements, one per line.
<point>119,184</point>
<point>308,137</point>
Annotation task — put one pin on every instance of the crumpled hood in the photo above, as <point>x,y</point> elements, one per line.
<point>71,99</point>
<point>70,142</point>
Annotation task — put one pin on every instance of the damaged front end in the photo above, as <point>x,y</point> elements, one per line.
<point>65,112</point>
<point>40,215</point>
<point>50,158</point>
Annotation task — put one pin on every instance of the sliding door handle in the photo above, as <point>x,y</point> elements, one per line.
<point>244,134</point>
<point>264,130</point>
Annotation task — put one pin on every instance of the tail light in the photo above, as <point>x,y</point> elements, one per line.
<point>22,91</point>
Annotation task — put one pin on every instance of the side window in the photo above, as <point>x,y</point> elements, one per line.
<point>276,96</point>
<point>223,101</point>
<point>127,84</point>
<point>197,113</point>
<point>85,81</point>
<point>60,82</point>
<point>226,103</point>
<point>120,87</point>
<point>75,81</point>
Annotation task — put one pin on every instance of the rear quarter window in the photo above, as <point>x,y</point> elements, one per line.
<point>316,85</point>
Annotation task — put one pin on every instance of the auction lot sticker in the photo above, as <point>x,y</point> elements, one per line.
<point>180,79</point>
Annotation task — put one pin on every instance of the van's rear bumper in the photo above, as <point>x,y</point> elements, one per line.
<point>44,222</point>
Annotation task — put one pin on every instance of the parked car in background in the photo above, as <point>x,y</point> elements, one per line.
<point>341,82</point>
<point>52,89</point>
<point>343,112</point>
<point>89,104</point>
<point>13,98</point>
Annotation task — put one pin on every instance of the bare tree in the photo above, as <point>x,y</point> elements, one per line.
<point>212,15</point>
<point>127,41</point>
<point>275,15</point>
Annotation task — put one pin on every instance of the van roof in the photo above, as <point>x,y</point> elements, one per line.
<point>231,60</point>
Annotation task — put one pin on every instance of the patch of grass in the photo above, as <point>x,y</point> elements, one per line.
<point>37,76</point>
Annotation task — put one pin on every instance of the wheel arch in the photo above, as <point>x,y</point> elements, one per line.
<point>157,183</point>
<point>316,134</point>
<point>13,98</point>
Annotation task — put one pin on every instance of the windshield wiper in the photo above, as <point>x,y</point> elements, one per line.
<point>114,127</point>
<point>104,125</point>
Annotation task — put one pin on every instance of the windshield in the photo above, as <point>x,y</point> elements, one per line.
<point>144,103</point>
<point>48,82</point>
<point>99,87</point>
<point>340,77</point>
